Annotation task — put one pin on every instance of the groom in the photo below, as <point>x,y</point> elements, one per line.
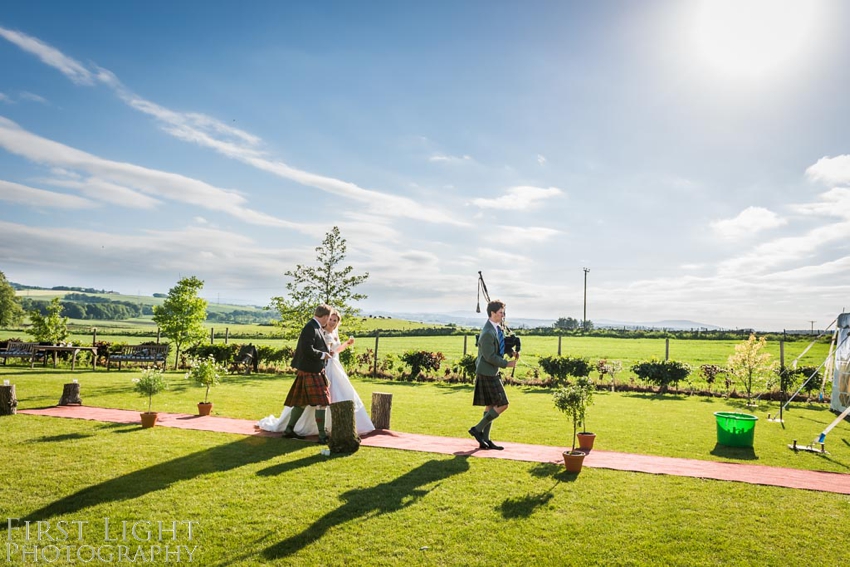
<point>311,386</point>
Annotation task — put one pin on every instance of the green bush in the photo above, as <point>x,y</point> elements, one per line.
<point>221,353</point>
<point>562,367</point>
<point>422,360</point>
<point>661,372</point>
<point>151,383</point>
<point>205,372</point>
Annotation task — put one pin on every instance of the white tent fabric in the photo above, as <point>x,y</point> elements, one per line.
<point>841,375</point>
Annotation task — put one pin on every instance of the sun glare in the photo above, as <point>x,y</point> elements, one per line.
<point>754,38</point>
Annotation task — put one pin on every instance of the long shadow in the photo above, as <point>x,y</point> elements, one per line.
<point>740,453</point>
<point>524,506</point>
<point>59,438</point>
<point>161,476</point>
<point>383,498</point>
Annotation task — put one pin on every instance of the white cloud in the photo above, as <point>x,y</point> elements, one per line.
<point>132,179</point>
<point>39,198</point>
<point>541,159</point>
<point>107,192</point>
<point>833,203</point>
<point>748,222</point>
<point>234,143</point>
<point>4,98</point>
<point>522,235</point>
<point>442,158</point>
<point>520,198</point>
<point>33,97</point>
<point>831,170</point>
<point>69,67</point>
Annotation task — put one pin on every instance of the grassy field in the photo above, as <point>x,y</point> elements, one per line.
<point>273,501</point>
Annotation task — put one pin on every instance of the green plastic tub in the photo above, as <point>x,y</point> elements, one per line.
<point>735,429</point>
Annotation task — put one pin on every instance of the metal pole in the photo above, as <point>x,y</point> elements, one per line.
<point>782,377</point>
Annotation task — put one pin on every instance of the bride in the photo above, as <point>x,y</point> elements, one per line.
<point>339,386</point>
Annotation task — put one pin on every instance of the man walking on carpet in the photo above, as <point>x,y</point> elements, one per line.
<point>489,391</point>
<point>311,386</point>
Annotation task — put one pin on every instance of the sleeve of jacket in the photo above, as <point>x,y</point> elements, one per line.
<point>489,350</point>
<point>307,343</point>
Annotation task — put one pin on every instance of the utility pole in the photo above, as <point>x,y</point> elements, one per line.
<point>813,326</point>
<point>584,317</point>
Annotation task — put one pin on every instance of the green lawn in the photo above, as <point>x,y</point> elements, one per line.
<point>258,501</point>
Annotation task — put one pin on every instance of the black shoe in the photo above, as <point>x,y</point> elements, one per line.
<point>289,434</point>
<point>491,445</point>
<point>478,436</point>
<point>322,441</point>
<point>484,447</point>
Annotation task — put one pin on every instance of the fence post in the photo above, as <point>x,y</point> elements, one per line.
<point>464,345</point>
<point>93,336</point>
<point>226,334</point>
<point>559,345</point>
<point>375,364</point>
<point>157,335</point>
<point>667,348</point>
<point>212,335</point>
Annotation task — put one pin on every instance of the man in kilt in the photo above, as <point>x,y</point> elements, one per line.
<point>489,391</point>
<point>311,386</point>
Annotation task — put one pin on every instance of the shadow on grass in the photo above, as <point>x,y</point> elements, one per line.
<point>738,453</point>
<point>524,506</point>
<point>383,498</point>
<point>59,438</point>
<point>161,476</point>
<point>655,397</point>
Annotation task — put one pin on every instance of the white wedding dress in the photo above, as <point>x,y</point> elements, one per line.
<point>340,389</point>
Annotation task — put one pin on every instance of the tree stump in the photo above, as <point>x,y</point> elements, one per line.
<point>344,438</point>
<point>382,405</point>
<point>71,395</point>
<point>8,401</point>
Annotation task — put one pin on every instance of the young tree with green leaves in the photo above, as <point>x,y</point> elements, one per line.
<point>326,283</point>
<point>751,363</point>
<point>50,328</point>
<point>11,312</point>
<point>182,314</point>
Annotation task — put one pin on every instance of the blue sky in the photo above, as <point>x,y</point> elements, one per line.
<point>694,156</point>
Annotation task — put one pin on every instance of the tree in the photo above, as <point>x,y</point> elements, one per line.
<point>11,312</point>
<point>49,327</point>
<point>326,283</point>
<point>566,323</point>
<point>750,363</point>
<point>182,314</point>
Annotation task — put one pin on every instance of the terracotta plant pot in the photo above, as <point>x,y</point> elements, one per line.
<point>573,461</point>
<point>204,408</point>
<point>148,419</point>
<point>585,441</point>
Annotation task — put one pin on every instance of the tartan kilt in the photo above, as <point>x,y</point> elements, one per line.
<point>309,389</point>
<point>489,391</point>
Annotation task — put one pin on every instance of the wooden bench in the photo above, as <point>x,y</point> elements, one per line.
<point>18,349</point>
<point>153,354</point>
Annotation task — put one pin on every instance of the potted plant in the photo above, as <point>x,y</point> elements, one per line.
<point>205,372</point>
<point>571,400</point>
<point>152,382</point>
<point>585,437</point>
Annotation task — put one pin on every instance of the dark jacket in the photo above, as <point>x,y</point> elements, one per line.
<point>311,345</point>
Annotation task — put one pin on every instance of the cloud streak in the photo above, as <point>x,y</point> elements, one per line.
<point>520,198</point>
<point>39,198</point>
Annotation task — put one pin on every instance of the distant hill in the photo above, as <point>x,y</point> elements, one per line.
<point>464,320</point>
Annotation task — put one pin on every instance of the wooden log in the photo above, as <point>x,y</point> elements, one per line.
<point>382,405</point>
<point>8,401</point>
<point>343,438</point>
<point>71,395</point>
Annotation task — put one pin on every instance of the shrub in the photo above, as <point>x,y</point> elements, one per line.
<point>465,366</point>
<point>661,372</point>
<point>205,372</point>
<point>751,363</point>
<point>222,353</point>
<point>422,360</point>
<point>561,367</point>
<point>151,383</point>
<point>709,372</point>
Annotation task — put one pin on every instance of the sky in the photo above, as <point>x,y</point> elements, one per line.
<point>693,156</point>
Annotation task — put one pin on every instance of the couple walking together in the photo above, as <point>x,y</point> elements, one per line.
<point>320,380</point>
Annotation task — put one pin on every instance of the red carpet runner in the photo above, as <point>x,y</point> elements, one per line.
<point>753,474</point>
